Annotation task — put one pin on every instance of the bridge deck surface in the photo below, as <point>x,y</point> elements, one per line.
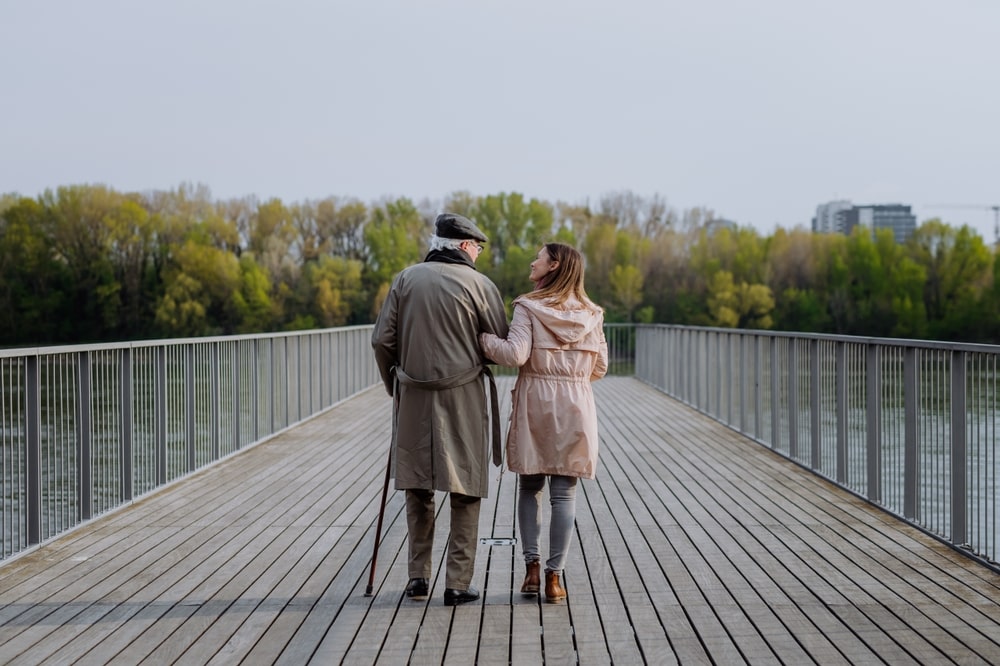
<point>693,546</point>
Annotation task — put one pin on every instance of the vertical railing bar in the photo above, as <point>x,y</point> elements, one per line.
<point>288,383</point>
<point>873,439</point>
<point>743,381</point>
<point>273,389</point>
<point>236,360</point>
<point>189,402</point>
<point>161,415</point>
<point>793,399</point>
<point>215,349</point>
<point>758,383</point>
<point>841,390</point>
<point>911,434</point>
<point>84,439</point>
<point>815,455</point>
<point>775,395</point>
<point>33,411</point>
<point>127,443</point>
<point>959,495</point>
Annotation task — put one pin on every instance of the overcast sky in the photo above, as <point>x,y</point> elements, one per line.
<point>758,110</point>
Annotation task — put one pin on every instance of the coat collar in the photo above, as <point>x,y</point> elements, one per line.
<point>450,257</point>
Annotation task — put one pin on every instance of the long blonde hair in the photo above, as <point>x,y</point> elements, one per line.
<point>565,280</point>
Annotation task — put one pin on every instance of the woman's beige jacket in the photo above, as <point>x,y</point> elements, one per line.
<point>560,350</point>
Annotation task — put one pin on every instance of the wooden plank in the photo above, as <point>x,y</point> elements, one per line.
<point>694,544</point>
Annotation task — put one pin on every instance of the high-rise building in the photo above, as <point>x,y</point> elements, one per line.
<point>840,217</point>
<point>896,217</point>
<point>828,218</point>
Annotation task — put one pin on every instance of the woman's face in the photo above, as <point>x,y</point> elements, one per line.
<point>541,266</point>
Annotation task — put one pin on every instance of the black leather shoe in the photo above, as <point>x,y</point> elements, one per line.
<point>417,588</point>
<point>456,597</point>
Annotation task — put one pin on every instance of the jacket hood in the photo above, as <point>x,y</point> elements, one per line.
<point>568,323</point>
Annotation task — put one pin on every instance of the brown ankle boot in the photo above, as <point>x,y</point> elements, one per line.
<point>554,592</point>
<point>531,581</point>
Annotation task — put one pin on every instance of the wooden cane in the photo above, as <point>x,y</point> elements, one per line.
<point>378,528</point>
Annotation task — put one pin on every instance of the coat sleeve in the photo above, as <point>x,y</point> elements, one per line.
<point>515,350</point>
<point>601,362</point>
<point>493,317</point>
<point>384,339</point>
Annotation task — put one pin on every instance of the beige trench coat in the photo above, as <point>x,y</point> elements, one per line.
<point>560,351</point>
<point>429,327</point>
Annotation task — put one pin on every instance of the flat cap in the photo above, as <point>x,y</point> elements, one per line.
<point>450,225</point>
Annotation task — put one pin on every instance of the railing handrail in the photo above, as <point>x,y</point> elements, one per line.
<point>43,350</point>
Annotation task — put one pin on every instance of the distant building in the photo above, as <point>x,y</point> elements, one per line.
<point>896,217</point>
<point>829,218</point>
<point>841,217</point>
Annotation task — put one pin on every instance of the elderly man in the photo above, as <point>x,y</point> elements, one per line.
<point>427,349</point>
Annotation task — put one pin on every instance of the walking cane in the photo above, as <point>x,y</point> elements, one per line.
<point>378,527</point>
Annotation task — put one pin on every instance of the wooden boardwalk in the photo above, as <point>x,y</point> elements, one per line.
<point>694,546</point>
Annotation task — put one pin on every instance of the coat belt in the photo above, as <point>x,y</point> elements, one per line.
<point>455,381</point>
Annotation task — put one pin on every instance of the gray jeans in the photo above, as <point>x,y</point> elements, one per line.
<point>562,497</point>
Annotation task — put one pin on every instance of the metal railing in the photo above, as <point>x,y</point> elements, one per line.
<point>88,428</point>
<point>910,425</point>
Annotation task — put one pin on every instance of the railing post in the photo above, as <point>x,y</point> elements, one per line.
<point>702,372</point>
<point>216,398</point>
<point>691,368</point>
<point>255,387</point>
<point>815,456</point>
<point>793,398</point>
<point>313,353</point>
<point>324,360</point>
<point>33,435</point>
<point>959,535</point>
<point>758,383</point>
<point>288,383</point>
<point>125,384</point>
<point>841,390</point>
<point>161,415</point>
<point>273,390</point>
<point>731,374</point>
<point>775,411</point>
<point>84,440</point>
<point>911,434</point>
<point>743,382</point>
<point>189,404</point>
<point>300,376</point>
<point>873,422</point>
<point>235,358</point>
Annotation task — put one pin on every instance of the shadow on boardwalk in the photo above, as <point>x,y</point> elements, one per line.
<point>694,545</point>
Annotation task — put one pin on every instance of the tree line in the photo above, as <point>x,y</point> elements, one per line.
<point>86,263</point>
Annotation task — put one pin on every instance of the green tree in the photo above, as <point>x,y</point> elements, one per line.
<point>741,305</point>
<point>957,265</point>
<point>34,284</point>
<point>516,229</point>
<point>252,302</point>
<point>626,285</point>
<point>203,292</point>
<point>131,248</point>
<point>340,226</point>
<point>334,283</point>
<point>397,237</point>
<point>78,224</point>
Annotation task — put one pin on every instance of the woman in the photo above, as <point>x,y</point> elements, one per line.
<point>557,340</point>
